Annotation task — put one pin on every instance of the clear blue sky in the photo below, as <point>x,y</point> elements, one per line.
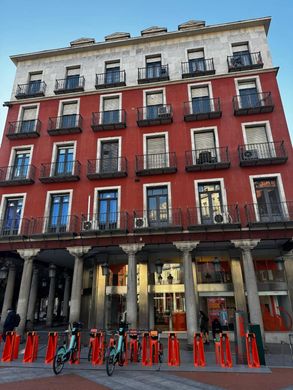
<point>31,25</point>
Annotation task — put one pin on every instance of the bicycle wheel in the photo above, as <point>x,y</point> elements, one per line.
<point>121,358</point>
<point>58,362</point>
<point>90,353</point>
<point>110,360</point>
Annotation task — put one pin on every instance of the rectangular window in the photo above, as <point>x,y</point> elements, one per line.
<point>58,218</point>
<point>109,156</point>
<point>156,152</point>
<point>112,72</point>
<point>268,200</point>
<point>34,83</point>
<point>28,119</point>
<point>111,113</point>
<point>69,115</point>
<point>211,205</point>
<point>21,164</point>
<point>107,209</point>
<point>64,161</point>
<point>248,94</point>
<point>12,216</point>
<point>241,54</point>
<point>154,100</point>
<point>157,206</point>
<point>257,145</point>
<point>205,147</point>
<point>196,60</point>
<point>200,97</point>
<point>153,67</point>
<point>72,77</point>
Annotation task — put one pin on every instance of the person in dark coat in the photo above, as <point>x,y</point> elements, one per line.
<point>204,326</point>
<point>216,327</point>
<point>12,320</point>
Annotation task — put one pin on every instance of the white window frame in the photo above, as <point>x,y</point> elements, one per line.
<point>239,80</point>
<point>110,95</point>
<point>267,125</point>
<point>150,91</point>
<point>48,205</point>
<point>145,198</point>
<point>56,145</point>
<point>223,192</point>
<point>99,150</point>
<point>68,101</point>
<point>193,131</point>
<point>24,106</point>
<point>281,191</point>
<point>4,202</point>
<point>199,85</point>
<point>13,153</point>
<point>153,135</point>
<point>95,205</point>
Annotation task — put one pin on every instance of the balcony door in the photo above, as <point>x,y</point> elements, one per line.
<point>21,164</point>
<point>58,219</point>
<point>157,206</point>
<point>156,153</point>
<point>28,120</point>
<point>109,157</point>
<point>241,55</point>
<point>210,199</point>
<point>153,67</point>
<point>72,78</point>
<point>200,100</point>
<point>268,200</point>
<point>153,102</point>
<point>196,61</point>
<point>248,95</point>
<point>12,216</point>
<point>112,75</point>
<point>64,161</point>
<point>205,151</point>
<point>69,117</point>
<point>107,209</point>
<point>111,113</point>
<point>257,142</point>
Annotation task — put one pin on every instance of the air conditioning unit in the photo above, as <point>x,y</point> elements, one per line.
<point>87,225</point>
<point>140,223</point>
<point>218,218</point>
<point>163,111</point>
<point>250,154</point>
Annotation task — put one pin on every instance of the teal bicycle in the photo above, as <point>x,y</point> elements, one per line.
<point>117,354</point>
<point>65,354</point>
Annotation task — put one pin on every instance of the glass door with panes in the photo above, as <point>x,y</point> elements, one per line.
<point>64,161</point>
<point>12,216</point>
<point>200,100</point>
<point>72,78</point>
<point>34,84</point>
<point>28,121</point>
<point>112,74</point>
<point>58,219</point>
<point>210,199</point>
<point>111,110</point>
<point>69,117</point>
<point>196,61</point>
<point>248,95</point>
<point>268,200</point>
<point>157,206</point>
<point>109,157</point>
<point>108,209</point>
<point>156,153</point>
<point>205,151</point>
<point>21,164</point>
<point>153,69</point>
<point>241,55</point>
<point>153,101</point>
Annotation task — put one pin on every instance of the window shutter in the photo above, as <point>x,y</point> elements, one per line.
<point>110,149</point>
<point>36,76</point>
<point>199,92</point>
<point>192,55</point>
<point>111,104</point>
<point>256,135</point>
<point>247,85</point>
<point>154,99</point>
<point>73,71</point>
<point>69,109</point>
<point>205,140</point>
<point>153,59</point>
<point>29,114</point>
<point>113,65</point>
<point>241,47</point>
<point>156,145</point>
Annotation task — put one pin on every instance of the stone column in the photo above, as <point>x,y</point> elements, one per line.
<point>143,296</point>
<point>65,310</point>
<point>250,281</point>
<point>190,300</point>
<point>22,305</point>
<point>51,297</point>
<point>9,290</point>
<point>288,264</point>
<point>131,299</point>
<point>100,298</point>
<point>151,302</point>
<point>76,289</point>
<point>33,295</point>
<point>239,293</point>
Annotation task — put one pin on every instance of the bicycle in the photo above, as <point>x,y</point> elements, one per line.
<point>117,354</point>
<point>64,354</point>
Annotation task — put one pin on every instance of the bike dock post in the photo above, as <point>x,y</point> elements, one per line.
<point>51,347</point>
<point>31,347</point>
<point>146,359</point>
<point>198,351</point>
<point>126,349</point>
<point>173,350</point>
<point>10,351</point>
<point>225,351</point>
<point>133,345</point>
<point>154,346</point>
<point>75,359</point>
<point>252,351</point>
<point>98,348</point>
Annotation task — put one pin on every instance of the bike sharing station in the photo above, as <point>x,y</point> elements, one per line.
<point>133,349</point>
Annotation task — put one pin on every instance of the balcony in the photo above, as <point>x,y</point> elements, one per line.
<point>205,159</point>
<point>153,74</point>
<point>17,175</point>
<point>24,129</point>
<point>108,120</point>
<point>159,114</point>
<point>269,215</point>
<point>107,168</point>
<point>64,225</point>
<point>201,67</point>
<point>157,220</point>
<point>60,172</point>
<point>116,78</point>
<point>70,84</point>
<point>257,103</point>
<point>267,153</point>
<point>244,61</point>
<point>221,217</point>
<point>32,89</point>
<point>156,164</point>
<point>17,228</point>
<point>65,124</point>
<point>201,109</point>
<point>105,223</point>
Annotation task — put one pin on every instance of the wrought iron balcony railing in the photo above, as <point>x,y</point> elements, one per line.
<point>110,79</point>
<point>24,129</point>
<point>262,153</point>
<point>32,89</point>
<point>13,228</point>
<point>153,73</point>
<point>244,61</point>
<point>109,222</point>
<point>70,84</point>
<point>200,67</point>
<point>60,171</point>
<point>213,217</point>
<point>17,175</point>
<point>151,164</point>
<point>269,214</point>
<point>65,124</point>
<point>204,159</point>
<point>157,114</point>
<point>157,219</point>
<point>107,168</point>
<point>255,103</point>
<point>108,120</point>
<point>202,108</point>
<point>55,225</point>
